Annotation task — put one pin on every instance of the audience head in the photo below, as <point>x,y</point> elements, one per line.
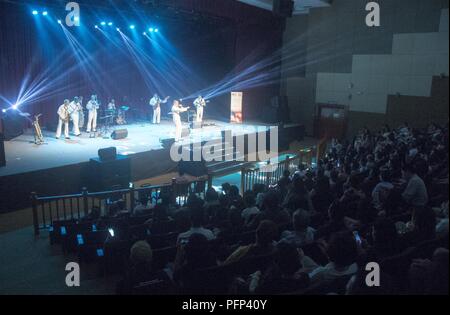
<point>342,249</point>
<point>141,254</point>
<point>266,233</point>
<point>300,220</point>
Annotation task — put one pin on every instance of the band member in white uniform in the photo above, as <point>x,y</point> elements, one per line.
<point>63,118</point>
<point>92,106</point>
<point>156,102</point>
<point>199,104</point>
<point>74,111</point>
<point>177,109</point>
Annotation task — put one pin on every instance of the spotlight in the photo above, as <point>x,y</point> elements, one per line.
<point>151,29</point>
<point>45,13</point>
<point>59,22</point>
<point>4,110</point>
<point>77,18</point>
<point>144,33</point>
<point>118,29</point>
<point>156,30</point>
<point>15,106</point>
<point>132,26</point>
<point>96,26</point>
<point>35,12</point>
<point>103,23</point>
<point>110,23</point>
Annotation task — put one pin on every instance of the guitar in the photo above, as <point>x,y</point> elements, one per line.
<point>158,103</point>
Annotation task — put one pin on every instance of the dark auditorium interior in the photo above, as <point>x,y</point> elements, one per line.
<point>246,148</point>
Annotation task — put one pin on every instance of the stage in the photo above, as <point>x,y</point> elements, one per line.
<point>60,166</point>
<point>22,155</point>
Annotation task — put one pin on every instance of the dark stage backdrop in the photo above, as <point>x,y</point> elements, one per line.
<point>36,46</point>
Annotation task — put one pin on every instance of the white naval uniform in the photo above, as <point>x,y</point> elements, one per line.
<point>74,109</point>
<point>199,104</point>
<point>176,110</point>
<point>155,103</point>
<point>63,112</point>
<point>92,107</point>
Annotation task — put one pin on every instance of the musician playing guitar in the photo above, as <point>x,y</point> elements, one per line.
<point>200,104</point>
<point>156,102</point>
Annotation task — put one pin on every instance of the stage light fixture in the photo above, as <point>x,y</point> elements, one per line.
<point>35,12</point>
<point>110,23</point>
<point>151,29</point>
<point>102,23</point>
<point>4,110</point>
<point>96,26</point>
<point>144,33</point>
<point>15,106</point>
<point>45,13</point>
<point>59,22</point>
<point>156,30</point>
<point>117,29</point>
<point>132,27</point>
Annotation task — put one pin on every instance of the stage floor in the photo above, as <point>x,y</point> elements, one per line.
<point>22,155</point>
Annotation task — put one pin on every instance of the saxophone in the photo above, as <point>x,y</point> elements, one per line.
<point>38,137</point>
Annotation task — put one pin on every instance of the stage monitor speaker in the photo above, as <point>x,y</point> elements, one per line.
<point>104,175</point>
<point>2,151</point>
<point>13,125</point>
<point>119,134</point>
<point>107,154</point>
<point>194,168</point>
<point>196,125</point>
<point>283,8</point>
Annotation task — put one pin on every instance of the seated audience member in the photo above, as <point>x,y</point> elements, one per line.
<point>342,253</point>
<point>321,195</point>
<point>270,210</point>
<point>442,224</point>
<point>335,224</point>
<point>140,269</point>
<point>385,239</point>
<point>250,207</point>
<point>430,276</point>
<point>415,193</point>
<point>192,255</point>
<point>142,205</point>
<point>197,219</point>
<point>266,234</point>
<point>282,276</point>
<point>302,234</point>
<point>382,190</point>
<point>160,219</point>
<point>422,226</point>
<point>284,182</point>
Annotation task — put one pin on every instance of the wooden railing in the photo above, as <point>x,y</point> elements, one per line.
<point>76,206</point>
<point>267,174</point>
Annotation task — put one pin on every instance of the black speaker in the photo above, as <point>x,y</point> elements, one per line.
<point>104,175</point>
<point>13,125</point>
<point>119,134</point>
<point>107,154</point>
<point>194,168</point>
<point>283,8</point>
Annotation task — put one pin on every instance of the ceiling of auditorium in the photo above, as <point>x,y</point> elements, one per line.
<point>300,6</point>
